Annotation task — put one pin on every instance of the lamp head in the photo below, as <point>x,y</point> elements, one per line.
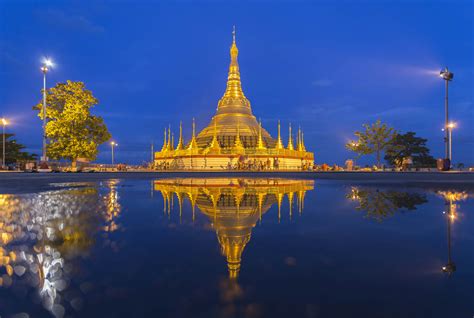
<point>451,125</point>
<point>446,74</point>
<point>47,64</point>
<point>4,122</point>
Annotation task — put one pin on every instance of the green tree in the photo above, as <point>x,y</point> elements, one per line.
<point>72,130</point>
<point>13,150</point>
<point>374,139</point>
<point>408,145</point>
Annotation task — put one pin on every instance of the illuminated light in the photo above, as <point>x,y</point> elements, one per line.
<point>451,125</point>
<point>48,62</point>
<point>4,122</point>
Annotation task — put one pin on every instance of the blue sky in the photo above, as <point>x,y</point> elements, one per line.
<point>328,66</point>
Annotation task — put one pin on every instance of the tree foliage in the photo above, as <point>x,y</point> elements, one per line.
<point>408,145</point>
<point>73,132</point>
<point>374,138</point>
<point>14,150</point>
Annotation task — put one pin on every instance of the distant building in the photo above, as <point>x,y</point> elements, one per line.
<point>233,139</point>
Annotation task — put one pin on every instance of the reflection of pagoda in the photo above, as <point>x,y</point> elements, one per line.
<point>234,206</point>
<point>234,139</point>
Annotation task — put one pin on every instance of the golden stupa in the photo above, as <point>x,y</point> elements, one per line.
<point>233,205</point>
<point>234,139</point>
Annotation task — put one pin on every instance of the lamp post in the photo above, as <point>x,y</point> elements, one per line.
<point>4,123</point>
<point>113,144</point>
<point>447,76</point>
<point>450,128</point>
<point>47,64</point>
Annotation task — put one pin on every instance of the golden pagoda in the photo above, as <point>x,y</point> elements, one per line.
<point>233,206</point>
<point>234,139</point>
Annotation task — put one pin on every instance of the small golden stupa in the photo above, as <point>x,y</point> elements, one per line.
<point>233,206</point>
<point>234,139</point>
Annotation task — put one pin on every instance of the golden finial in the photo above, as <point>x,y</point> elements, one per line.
<point>214,145</point>
<point>290,140</point>
<point>298,140</point>
<point>238,143</point>
<point>172,141</point>
<point>260,144</point>
<point>279,144</point>
<point>165,143</point>
<point>180,141</point>
<point>193,142</point>
<point>168,146</point>
<point>303,147</point>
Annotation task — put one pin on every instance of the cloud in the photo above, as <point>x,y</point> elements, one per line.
<point>70,21</point>
<point>322,82</point>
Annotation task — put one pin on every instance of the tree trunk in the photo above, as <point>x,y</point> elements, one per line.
<point>74,165</point>
<point>378,158</point>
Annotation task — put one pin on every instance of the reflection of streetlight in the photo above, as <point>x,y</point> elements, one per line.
<point>113,144</point>
<point>450,267</point>
<point>4,123</point>
<point>450,200</point>
<point>47,64</point>
<point>447,76</point>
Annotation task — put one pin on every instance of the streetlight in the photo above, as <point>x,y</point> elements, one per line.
<point>113,144</point>
<point>450,127</point>
<point>4,123</point>
<point>47,64</point>
<point>447,76</point>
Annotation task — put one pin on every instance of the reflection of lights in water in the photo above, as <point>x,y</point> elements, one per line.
<point>113,207</point>
<point>40,233</point>
<point>451,197</point>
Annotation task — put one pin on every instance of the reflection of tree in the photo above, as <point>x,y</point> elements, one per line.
<point>382,204</point>
<point>42,235</point>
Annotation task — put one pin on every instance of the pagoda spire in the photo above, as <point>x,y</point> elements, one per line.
<point>279,143</point>
<point>193,143</point>
<point>303,148</point>
<point>233,94</point>
<point>165,143</point>
<point>214,145</point>
<point>260,144</point>
<point>290,139</point>
<point>238,143</point>
<point>180,141</point>
<point>299,146</point>
<point>172,141</point>
<point>168,146</point>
